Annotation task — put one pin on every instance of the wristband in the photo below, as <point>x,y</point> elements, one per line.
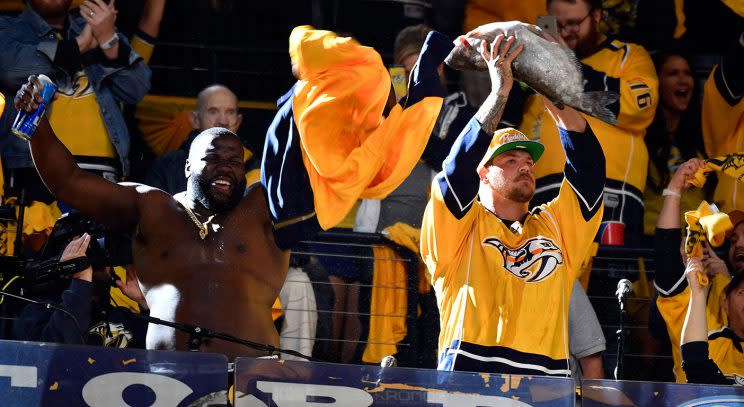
<point>110,43</point>
<point>669,192</point>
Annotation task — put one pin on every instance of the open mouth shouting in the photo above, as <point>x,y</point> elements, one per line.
<point>223,185</point>
<point>681,97</point>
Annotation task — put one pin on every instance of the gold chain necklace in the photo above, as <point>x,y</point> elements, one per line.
<point>203,229</point>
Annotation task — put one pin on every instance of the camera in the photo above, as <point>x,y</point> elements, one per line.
<point>107,248</point>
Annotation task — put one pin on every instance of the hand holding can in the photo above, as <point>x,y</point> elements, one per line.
<point>32,101</point>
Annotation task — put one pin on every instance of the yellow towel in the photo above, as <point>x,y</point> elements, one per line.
<point>385,329</point>
<point>40,217</point>
<point>705,224</point>
<point>388,306</point>
<point>349,149</point>
<point>404,235</point>
<point>731,165</point>
<point>410,238</point>
<point>164,121</point>
<point>118,299</point>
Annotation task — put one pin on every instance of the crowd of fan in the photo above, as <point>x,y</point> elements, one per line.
<point>668,123</point>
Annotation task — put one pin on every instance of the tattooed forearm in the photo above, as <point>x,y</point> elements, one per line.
<point>489,114</point>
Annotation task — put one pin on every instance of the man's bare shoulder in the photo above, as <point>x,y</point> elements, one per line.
<point>254,196</point>
<point>149,196</point>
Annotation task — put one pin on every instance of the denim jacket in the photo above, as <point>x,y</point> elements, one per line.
<point>28,46</point>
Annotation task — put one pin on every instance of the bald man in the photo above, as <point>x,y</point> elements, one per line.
<point>216,106</point>
<point>206,256</point>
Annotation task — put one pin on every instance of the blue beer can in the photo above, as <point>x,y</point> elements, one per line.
<point>25,123</point>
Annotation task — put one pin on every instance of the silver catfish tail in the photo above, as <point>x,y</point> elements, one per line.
<point>596,103</point>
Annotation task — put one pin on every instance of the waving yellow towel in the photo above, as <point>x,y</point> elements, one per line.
<point>349,149</point>
<point>705,224</point>
<point>731,165</point>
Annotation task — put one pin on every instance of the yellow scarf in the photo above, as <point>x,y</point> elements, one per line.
<point>731,165</point>
<point>349,149</point>
<point>705,224</point>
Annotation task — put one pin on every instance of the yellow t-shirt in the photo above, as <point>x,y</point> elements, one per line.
<point>76,118</point>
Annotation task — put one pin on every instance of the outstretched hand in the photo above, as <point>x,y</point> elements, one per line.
<point>499,60</point>
<point>685,172</point>
<point>694,267</point>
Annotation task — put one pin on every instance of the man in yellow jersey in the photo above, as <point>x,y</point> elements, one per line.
<point>216,106</point>
<point>503,275</point>
<point>670,282</point>
<point>607,65</point>
<point>723,120</point>
<point>95,70</point>
<point>713,357</point>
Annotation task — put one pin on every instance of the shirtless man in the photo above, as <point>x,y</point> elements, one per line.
<point>225,281</point>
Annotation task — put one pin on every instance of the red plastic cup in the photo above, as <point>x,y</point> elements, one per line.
<point>613,234</point>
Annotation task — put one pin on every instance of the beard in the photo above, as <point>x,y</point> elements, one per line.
<point>588,45</point>
<point>202,190</point>
<point>518,192</point>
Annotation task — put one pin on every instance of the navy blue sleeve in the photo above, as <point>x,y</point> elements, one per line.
<point>37,323</point>
<point>284,177</point>
<point>459,181</point>
<point>425,81</point>
<point>698,366</point>
<point>585,168</point>
<point>670,270</point>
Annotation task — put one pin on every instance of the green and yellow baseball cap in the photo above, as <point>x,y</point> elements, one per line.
<point>511,139</point>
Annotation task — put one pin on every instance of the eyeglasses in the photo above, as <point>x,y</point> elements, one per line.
<point>573,25</point>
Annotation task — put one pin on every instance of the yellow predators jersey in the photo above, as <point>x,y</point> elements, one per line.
<point>628,70</point>
<point>673,304</point>
<point>723,133</point>
<point>503,290</point>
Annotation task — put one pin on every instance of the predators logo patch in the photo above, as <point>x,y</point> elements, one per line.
<point>533,261</point>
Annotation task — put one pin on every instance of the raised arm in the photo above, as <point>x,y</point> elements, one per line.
<point>667,238</point>
<point>695,328</point>
<point>459,181</point>
<point>152,15</point>
<point>669,216</point>
<point>696,361</point>
<point>104,201</point>
<point>454,189</point>
<point>579,202</point>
